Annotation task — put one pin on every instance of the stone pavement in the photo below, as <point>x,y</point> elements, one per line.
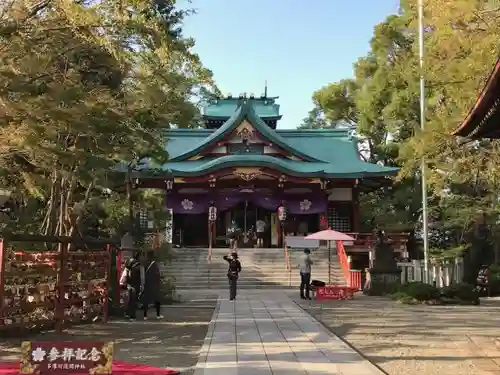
<point>266,333</point>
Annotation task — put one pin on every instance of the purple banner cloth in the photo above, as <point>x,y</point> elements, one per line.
<point>296,204</point>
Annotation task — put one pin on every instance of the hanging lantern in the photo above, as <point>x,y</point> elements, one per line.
<point>323,223</point>
<point>212,213</point>
<point>281,213</point>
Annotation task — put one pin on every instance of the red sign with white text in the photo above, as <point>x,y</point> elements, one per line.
<point>333,293</point>
<point>72,357</point>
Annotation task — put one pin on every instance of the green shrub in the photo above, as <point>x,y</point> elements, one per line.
<point>462,291</point>
<point>421,291</point>
<point>495,271</point>
<point>398,288</point>
<point>398,296</point>
<point>407,300</point>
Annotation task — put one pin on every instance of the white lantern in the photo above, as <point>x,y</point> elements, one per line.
<point>281,213</point>
<point>212,213</point>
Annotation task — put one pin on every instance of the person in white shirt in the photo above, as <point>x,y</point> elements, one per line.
<point>305,263</point>
<point>261,229</point>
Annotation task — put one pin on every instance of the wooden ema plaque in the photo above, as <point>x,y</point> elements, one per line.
<point>60,357</point>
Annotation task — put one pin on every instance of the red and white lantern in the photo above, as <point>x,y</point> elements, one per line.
<point>281,213</point>
<point>212,213</point>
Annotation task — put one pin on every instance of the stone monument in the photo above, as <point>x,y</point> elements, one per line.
<point>385,273</point>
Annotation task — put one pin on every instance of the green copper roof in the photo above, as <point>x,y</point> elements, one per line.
<point>334,151</point>
<point>225,108</point>
<point>353,169</point>
<point>244,112</point>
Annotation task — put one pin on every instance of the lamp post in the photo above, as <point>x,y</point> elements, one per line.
<point>212,217</point>
<point>425,222</point>
<point>169,185</point>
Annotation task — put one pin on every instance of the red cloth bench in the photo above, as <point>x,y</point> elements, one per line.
<point>119,368</point>
<point>334,292</point>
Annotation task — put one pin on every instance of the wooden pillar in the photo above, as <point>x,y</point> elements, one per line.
<point>323,216</point>
<point>355,224</point>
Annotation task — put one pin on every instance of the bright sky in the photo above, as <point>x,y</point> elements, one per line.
<point>298,46</point>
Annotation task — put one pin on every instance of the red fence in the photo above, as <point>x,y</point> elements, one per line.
<point>355,279</point>
<point>53,289</point>
<point>366,240</point>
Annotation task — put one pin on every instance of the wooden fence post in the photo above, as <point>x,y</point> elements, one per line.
<point>3,259</point>
<point>62,249</point>
<point>109,275</point>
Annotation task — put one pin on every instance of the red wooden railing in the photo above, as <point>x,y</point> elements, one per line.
<point>351,277</point>
<point>344,264</point>
<point>355,279</point>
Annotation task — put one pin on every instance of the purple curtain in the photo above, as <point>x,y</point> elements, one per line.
<point>188,203</point>
<point>296,204</point>
<point>306,204</point>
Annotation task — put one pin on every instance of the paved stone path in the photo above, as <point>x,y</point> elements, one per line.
<point>266,333</point>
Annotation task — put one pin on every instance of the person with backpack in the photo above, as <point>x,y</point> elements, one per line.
<point>233,273</point>
<point>152,287</point>
<point>132,278</point>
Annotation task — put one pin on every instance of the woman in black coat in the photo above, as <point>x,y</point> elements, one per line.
<point>152,287</point>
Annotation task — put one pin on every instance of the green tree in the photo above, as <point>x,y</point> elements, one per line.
<point>87,86</point>
<point>381,104</point>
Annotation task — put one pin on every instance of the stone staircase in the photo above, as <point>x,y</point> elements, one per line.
<point>262,268</point>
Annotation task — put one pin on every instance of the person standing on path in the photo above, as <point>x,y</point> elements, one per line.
<point>305,263</point>
<point>233,273</point>
<point>132,279</point>
<point>152,287</point>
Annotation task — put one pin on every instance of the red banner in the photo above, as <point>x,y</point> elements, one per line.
<point>333,293</point>
<point>72,357</point>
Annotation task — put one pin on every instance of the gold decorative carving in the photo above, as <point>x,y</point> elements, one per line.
<point>26,367</point>
<point>246,134</point>
<point>107,366</point>
<point>245,131</point>
<point>247,174</point>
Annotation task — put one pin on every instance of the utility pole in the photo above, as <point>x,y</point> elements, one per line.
<point>425,222</point>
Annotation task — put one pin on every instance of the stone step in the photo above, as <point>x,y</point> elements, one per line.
<point>262,268</point>
<point>245,279</point>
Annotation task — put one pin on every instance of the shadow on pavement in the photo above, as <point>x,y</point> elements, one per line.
<point>174,341</point>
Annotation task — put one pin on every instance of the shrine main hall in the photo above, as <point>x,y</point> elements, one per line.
<point>246,168</point>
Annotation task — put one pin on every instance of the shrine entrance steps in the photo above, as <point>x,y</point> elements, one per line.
<point>262,268</point>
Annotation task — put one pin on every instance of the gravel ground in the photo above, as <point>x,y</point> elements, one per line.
<point>174,341</point>
<point>417,340</point>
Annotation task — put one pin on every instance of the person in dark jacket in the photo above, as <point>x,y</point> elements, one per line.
<point>233,273</point>
<point>152,287</point>
<point>134,282</point>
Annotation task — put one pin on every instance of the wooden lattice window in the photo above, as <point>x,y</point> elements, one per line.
<point>339,218</point>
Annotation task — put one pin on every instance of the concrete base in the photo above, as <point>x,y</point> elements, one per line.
<point>382,282</point>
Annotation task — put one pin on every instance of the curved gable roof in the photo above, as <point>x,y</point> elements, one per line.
<point>246,111</point>
<point>477,124</point>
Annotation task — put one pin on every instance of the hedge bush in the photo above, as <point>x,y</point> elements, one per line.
<point>420,291</point>
<point>462,292</point>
